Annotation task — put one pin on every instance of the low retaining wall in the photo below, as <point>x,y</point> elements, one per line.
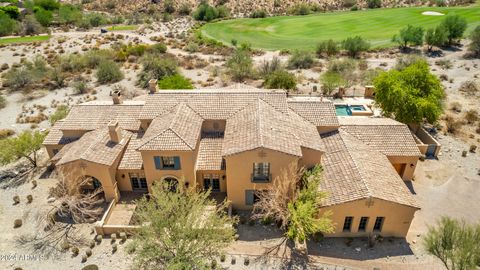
<point>102,228</point>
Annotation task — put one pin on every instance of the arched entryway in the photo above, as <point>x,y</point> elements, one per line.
<point>90,184</point>
<point>171,182</point>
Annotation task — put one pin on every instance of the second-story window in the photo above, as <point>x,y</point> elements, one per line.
<point>167,163</point>
<point>261,172</point>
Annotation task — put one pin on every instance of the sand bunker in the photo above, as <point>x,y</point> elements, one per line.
<point>432,13</point>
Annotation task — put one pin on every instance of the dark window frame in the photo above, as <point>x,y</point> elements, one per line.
<point>261,172</point>
<point>362,225</point>
<point>378,226</point>
<point>347,224</point>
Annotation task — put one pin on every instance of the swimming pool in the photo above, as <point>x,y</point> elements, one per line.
<point>343,110</point>
<point>358,108</point>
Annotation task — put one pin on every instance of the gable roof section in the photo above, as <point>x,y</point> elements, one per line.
<point>55,136</point>
<point>354,171</point>
<point>132,159</point>
<point>90,116</point>
<point>210,104</point>
<point>177,130</point>
<point>94,146</point>
<point>210,152</point>
<point>261,125</point>
<point>385,135</point>
<point>319,113</point>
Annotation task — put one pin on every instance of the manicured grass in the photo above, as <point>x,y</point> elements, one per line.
<point>122,27</point>
<point>23,39</point>
<point>304,32</point>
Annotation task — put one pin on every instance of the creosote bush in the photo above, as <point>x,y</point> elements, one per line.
<point>108,72</point>
<point>300,60</point>
<point>280,79</point>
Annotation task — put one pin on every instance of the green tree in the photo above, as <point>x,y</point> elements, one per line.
<point>60,113</point>
<point>474,47</point>
<point>300,60</point>
<point>355,45</point>
<point>69,14</point>
<point>455,243</point>
<point>11,11</point>
<point>294,203</point>
<point>280,79</point>
<point>410,95</point>
<point>176,81</point>
<point>330,82</point>
<point>108,72</point>
<point>329,47</point>
<point>188,232</point>
<point>205,12</point>
<point>374,3</point>
<point>436,37</point>
<point>47,4</point>
<point>240,65</point>
<point>455,26</point>
<point>43,16</point>
<point>155,68</point>
<point>25,145</point>
<point>8,25</point>
<point>409,35</point>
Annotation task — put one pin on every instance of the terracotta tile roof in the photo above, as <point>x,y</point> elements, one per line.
<point>178,129</point>
<point>319,113</point>
<point>354,171</point>
<point>210,152</point>
<point>261,125</point>
<point>382,134</point>
<point>90,116</point>
<point>132,158</point>
<point>94,146</point>
<point>55,136</point>
<point>211,104</point>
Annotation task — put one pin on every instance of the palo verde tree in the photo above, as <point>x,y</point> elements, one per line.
<point>455,243</point>
<point>294,203</point>
<point>455,26</point>
<point>436,37</point>
<point>182,228</point>
<point>410,95</point>
<point>355,45</point>
<point>25,145</point>
<point>409,35</point>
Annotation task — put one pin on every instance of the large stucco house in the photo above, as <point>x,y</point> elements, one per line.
<point>235,141</point>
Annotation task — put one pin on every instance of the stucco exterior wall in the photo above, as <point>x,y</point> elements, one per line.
<point>396,224</point>
<point>213,125</point>
<point>123,179</point>
<point>410,165</point>
<point>310,158</point>
<point>50,149</point>
<point>187,166</point>
<point>239,169</point>
<point>222,175</point>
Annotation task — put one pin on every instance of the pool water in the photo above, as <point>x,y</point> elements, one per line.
<point>357,108</point>
<point>343,110</point>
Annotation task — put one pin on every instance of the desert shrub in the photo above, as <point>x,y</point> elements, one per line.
<point>355,45</point>
<point>47,4</point>
<point>114,248</point>
<point>300,9</point>
<point>72,63</point>
<point>452,125</point>
<point>240,65</point>
<point>75,251</point>
<point>408,60</point>
<point>43,16</point>
<point>11,11</point>
<point>470,87</point>
<point>374,3</point>
<point>68,14</point>
<point>436,37</point>
<point>474,46</point>
<point>93,58</point>
<point>471,116</point>
<point>259,13</point>
<point>5,133</point>
<point>223,11</point>
<point>330,82</point>
<point>192,47</point>
<point>155,68</point>
<point>280,79</point>
<point>108,72</point>
<point>16,199</point>
<point>28,73</point>
<point>123,236</point>
<point>176,81</point>
<point>30,26</point>
<point>60,113</point>
<point>96,19</point>
<point>168,6</point>
<point>88,252</point>
<point>268,67</point>
<point>17,223</point>
<point>29,198</point>
<point>329,47</point>
<point>444,63</point>
<point>184,9</point>
<point>205,12</point>
<point>8,25</point>
<point>157,48</point>
<point>343,65</point>
<point>3,102</point>
<point>349,3</point>
<point>56,75</point>
<point>440,3</point>
<point>409,35</point>
<point>300,60</point>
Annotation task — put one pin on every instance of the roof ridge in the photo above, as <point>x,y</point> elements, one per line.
<point>259,123</point>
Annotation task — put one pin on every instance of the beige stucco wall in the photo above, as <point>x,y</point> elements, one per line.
<point>239,168</point>
<point>396,224</point>
<point>187,166</point>
<point>213,125</point>
<point>223,180</point>
<point>50,149</point>
<point>409,169</point>
<point>104,174</point>
<point>123,179</point>
<point>310,158</point>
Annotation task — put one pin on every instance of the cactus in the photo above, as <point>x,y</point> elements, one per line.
<point>29,198</point>
<point>84,258</point>
<point>75,251</point>
<point>99,238</point>
<point>92,243</point>
<point>88,252</point>
<point>114,248</point>
<point>34,184</point>
<point>16,199</point>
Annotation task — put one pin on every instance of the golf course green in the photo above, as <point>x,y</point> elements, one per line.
<point>304,32</point>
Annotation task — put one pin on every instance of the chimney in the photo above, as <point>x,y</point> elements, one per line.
<point>152,86</point>
<point>117,97</point>
<point>115,131</point>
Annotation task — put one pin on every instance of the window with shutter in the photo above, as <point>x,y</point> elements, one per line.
<point>249,197</point>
